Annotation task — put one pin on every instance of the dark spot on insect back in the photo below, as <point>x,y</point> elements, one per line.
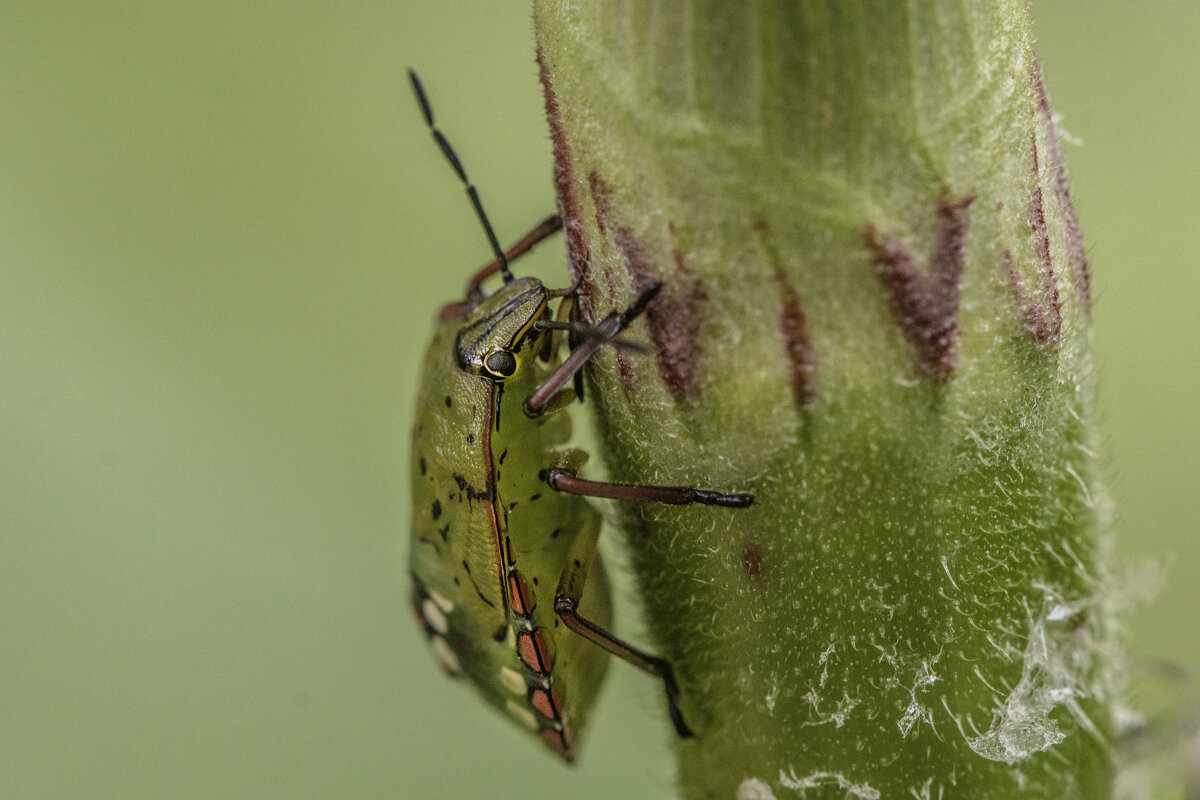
<point>422,465</point>
<point>924,303</point>
<point>437,509</point>
<point>449,402</point>
<point>470,438</point>
<point>674,317</point>
<point>471,492</point>
<point>503,454</point>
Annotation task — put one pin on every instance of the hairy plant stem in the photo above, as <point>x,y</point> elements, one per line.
<point>874,316</point>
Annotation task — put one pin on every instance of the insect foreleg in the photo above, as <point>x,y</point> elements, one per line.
<point>612,325</point>
<point>566,605</point>
<point>561,322</point>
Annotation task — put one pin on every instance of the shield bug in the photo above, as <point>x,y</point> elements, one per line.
<point>503,551</point>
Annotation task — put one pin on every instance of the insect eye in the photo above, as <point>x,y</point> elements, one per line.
<point>500,364</point>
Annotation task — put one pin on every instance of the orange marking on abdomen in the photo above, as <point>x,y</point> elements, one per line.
<point>548,703</point>
<point>535,651</point>
<point>559,741</point>
<point>523,600</point>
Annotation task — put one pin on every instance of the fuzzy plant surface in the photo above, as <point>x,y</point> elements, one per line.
<point>873,316</point>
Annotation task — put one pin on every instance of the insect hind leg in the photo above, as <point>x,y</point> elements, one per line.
<point>566,606</point>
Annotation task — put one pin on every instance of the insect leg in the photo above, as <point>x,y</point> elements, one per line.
<point>609,327</point>
<point>560,324</point>
<point>563,480</point>
<point>566,605</point>
<point>544,229</point>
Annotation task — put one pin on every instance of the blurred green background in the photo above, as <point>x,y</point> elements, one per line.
<point>223,234</point>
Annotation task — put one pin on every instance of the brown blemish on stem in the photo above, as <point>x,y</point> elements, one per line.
<point>797,346</point>
<point>1076,254</point>
<point>798,349</point>
<point>674,316</point>
<point>1043,316</point>
<point>1046,328</point>
<point>752,559</point>
<point>1037,225</point>
<point>569,202</point>
<point>626,375</point>
<point>676,331</point>
<point>925,304</point>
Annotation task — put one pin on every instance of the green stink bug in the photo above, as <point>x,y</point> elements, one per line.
<point>503,551</point>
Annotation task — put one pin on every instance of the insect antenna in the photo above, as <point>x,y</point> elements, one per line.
<point>452,157</point>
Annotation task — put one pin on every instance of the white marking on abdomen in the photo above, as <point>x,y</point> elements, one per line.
<point>512,680</point>
<point>522,714</point>
<point>434,616</point>
<point>445,605</point>
<point>446,655</point>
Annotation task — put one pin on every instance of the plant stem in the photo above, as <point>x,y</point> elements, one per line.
<point>874,315</point>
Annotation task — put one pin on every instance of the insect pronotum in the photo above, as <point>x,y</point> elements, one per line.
<point>503,552</point>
